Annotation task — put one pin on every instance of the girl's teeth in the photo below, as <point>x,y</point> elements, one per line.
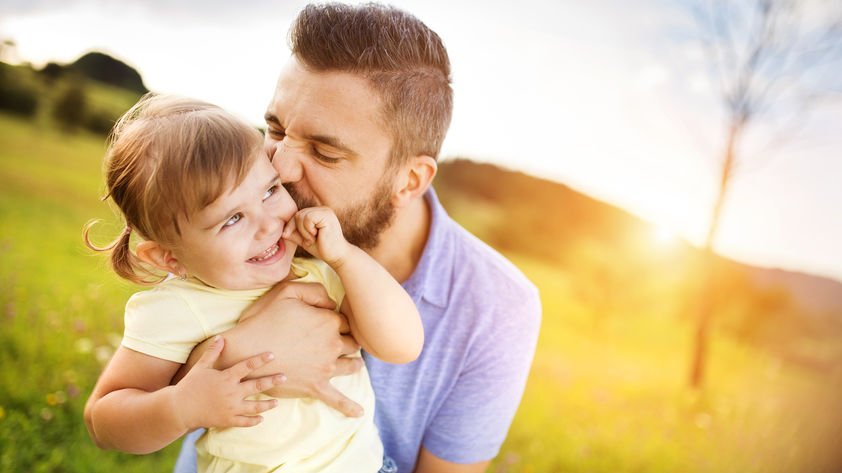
<point>270,252</point>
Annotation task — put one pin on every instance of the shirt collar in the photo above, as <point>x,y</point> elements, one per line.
<point>431,279</point>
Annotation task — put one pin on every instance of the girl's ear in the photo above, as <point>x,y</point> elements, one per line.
<point>155,255</point>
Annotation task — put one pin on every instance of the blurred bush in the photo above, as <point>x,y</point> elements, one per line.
<point>70,108</point>
<point>65,97</point>
<point>99,121</point>
<point>17,95</point>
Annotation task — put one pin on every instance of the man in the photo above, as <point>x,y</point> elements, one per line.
<point>356,123</point>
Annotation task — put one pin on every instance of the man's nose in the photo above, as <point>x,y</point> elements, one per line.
<point>287,162</point>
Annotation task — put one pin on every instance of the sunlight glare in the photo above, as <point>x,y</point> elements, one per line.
<point>664,237</point>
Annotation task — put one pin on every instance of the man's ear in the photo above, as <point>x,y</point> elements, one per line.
<point>414,178</point>
<point>155,255</point>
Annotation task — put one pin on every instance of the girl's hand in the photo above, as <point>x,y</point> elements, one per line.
<point>207,397</point>
<point>317,230</point>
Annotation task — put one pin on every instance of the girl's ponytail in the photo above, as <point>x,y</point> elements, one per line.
<point>125,263</point>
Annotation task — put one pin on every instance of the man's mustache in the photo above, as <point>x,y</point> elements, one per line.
<point>300,200</point>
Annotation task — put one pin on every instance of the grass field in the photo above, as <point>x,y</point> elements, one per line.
<point>607,398</point>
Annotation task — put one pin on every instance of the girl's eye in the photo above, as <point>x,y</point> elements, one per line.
<point>234,219</point>
<point>270,192</point>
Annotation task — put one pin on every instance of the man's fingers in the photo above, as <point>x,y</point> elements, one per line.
<point>335,399</point>
<point>210,355</point>
<point>344,325</point>
<point>245,367</point>
<point>259,385</point>
<point>311,293</point>
<point>346,366</point>
<point>349,345</point>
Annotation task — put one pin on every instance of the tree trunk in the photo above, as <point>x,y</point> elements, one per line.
<point>707,276</point>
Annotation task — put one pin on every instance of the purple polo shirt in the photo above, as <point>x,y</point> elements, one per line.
<point>481,318</point>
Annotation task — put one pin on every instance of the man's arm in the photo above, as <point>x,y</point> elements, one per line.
<point>295,322</point>
<point>429,463</point>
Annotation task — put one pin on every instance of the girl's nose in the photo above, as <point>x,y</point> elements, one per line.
<point>269,225</point>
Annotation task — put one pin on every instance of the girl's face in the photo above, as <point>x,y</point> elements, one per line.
<point>235,242</point>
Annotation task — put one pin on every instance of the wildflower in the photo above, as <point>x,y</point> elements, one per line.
<point>114,339</point>
<point>84,345</point>
<point>69,376</point>
<point>56,398</point>
<point>103,353</point>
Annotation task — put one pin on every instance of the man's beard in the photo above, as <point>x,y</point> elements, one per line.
<point>363,224</point>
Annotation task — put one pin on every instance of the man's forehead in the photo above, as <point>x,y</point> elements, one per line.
<point>323,112</point>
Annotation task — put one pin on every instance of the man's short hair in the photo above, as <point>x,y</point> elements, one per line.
<point>404,60</point>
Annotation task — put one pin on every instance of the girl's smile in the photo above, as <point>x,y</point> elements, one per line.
<point>272,254</point>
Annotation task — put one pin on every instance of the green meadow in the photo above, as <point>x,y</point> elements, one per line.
<point>605,394</point>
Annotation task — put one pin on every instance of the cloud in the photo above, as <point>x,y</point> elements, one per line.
<point>209,12</point>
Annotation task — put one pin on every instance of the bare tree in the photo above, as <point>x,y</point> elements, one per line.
<point>8,50</point>
<point>770,59</point>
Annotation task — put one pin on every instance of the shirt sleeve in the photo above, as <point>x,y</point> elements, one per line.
<point>473,421</point>
<point>161,323</point>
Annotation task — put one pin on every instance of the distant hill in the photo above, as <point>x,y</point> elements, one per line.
<point>812,292</point>
<point>543,217</point>
<point>102,68</point>
<point>517,212</point>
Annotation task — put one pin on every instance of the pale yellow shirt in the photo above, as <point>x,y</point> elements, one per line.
<point>300,435</point>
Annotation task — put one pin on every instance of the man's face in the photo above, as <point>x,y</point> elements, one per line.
<point>326,139</point>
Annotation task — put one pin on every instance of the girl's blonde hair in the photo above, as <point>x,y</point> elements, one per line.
<point>167,158</point>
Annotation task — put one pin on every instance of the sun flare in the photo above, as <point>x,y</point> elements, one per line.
<point>664,237</point>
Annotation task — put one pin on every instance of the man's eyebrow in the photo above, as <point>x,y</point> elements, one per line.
<point>333,142</point>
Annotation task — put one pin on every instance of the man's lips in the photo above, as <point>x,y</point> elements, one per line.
<point>270,255</point>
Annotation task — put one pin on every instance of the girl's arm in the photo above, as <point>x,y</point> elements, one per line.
<point>133,409</point>
<point>381,314</point>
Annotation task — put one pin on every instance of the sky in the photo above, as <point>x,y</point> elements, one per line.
<point>610,97</point>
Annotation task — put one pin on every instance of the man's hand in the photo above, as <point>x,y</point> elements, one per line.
<point>294,321</point>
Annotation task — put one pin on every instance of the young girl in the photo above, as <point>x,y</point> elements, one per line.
<point>195,187</point>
